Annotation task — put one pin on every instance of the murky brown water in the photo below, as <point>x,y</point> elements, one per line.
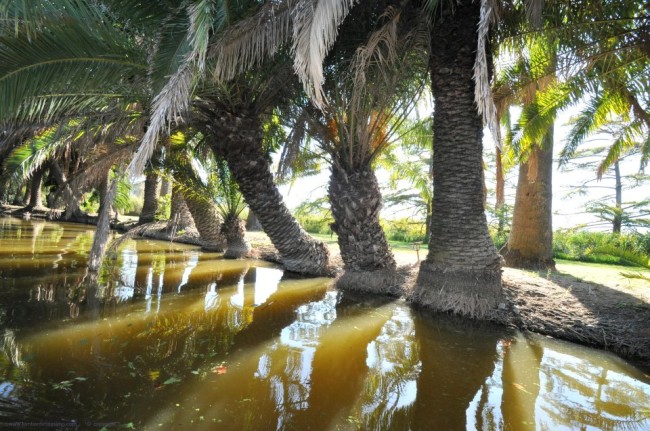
<point>178,339</point>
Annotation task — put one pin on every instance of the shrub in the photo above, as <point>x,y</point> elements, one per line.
<point>621,249</point>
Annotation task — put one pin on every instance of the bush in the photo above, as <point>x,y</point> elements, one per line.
<point>602,247</point>
<point>403,230</point>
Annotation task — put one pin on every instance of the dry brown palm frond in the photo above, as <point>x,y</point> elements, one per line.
<point>482,89</point>
<point>315,27</point>
<point>249,42</point>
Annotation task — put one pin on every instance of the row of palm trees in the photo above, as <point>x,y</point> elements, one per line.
<point>127,76</point>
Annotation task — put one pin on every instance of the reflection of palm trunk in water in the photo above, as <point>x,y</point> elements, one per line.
<point>521,367</point>
<point>457,357</point>
<point>339,369</point>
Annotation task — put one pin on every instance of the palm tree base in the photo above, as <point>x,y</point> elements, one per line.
<point>515,259</point>
<point>379,282</point>
<point>474,293</point>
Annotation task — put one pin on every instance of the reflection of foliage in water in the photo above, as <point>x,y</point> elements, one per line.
<point>287,364</point>
<point>394,363</point>
<point>581,393</point>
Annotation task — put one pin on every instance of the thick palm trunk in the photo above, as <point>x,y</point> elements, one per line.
<point>530,244</point>
<point>181,217</point>
<point>208,222</point>
<point>151,193</point>
<point>239,141</point>
<point>35,192</point>
<point>72,209</point>
<point>234,230</point>
<point>368,261</point>
<point>462,272</point>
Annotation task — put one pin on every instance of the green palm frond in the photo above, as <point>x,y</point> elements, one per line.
<point>65,65</point>
<point>33,153</point>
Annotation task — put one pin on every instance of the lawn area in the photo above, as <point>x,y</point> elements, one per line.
<point>608,275</point>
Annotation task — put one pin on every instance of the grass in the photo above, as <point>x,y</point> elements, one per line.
<point>608,275</point>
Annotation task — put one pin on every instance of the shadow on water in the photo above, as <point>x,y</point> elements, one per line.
<point>171,338</point>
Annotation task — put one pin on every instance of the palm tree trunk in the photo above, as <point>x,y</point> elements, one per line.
<point>35,192</point>
<point>100,240</point>
<point>500,191</point>
<point>462,272</point>
<point>530,244</point>
<point>72,209</point>
<point>164,188</point>
<point>208,222</point>
<point>151,193</point>
<point>181,217</point>
<point>26,192</point>
<point>368,260</point>
<point>617,222</point>
<point>239,142</point>
<point>252,223</point>
<point>234,230</point>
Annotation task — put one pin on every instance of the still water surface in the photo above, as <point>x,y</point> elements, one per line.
<point>175,338</point>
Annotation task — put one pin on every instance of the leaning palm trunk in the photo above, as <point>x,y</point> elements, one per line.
<point>100,240</point>
<point>180,218</point>
<point>239,142</point>
<point>462,272</point>
<point>368,261</point>
<point>208,223</point>
<point>72,209</point>
<point>150,204</point>
<point>234,231</point>
<point>530,244</point>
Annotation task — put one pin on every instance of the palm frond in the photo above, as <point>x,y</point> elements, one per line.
<point>36,74</point>
<point>250,41</point>
<point>483,90</point>
<point>315,27</point>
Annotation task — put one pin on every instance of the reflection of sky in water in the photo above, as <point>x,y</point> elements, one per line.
<point>266,283</point>
<point>296,347</point>
<point>565,393</point>
<point>191,264</point>
<point>394,365</point>
<point>211,297</point>
<point>129,266</point>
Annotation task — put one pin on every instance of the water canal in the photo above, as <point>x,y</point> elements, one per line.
<point>174,338</point>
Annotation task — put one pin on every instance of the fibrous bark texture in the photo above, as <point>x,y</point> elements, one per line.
<point>150,204</point>
<point>208,222</point>
<point>70,198</point>
<point>530,244</point>
<point>180,218</point>
<point>234,230</point>
<point>35,193</point>
<point>355,200</point>
<point>238,139</point>
<point>462,272</point>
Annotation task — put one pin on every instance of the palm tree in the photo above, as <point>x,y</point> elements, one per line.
<point>231,116</point>
<point>375,90</point>
<point>530,244</point>
<point>462,270</point>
